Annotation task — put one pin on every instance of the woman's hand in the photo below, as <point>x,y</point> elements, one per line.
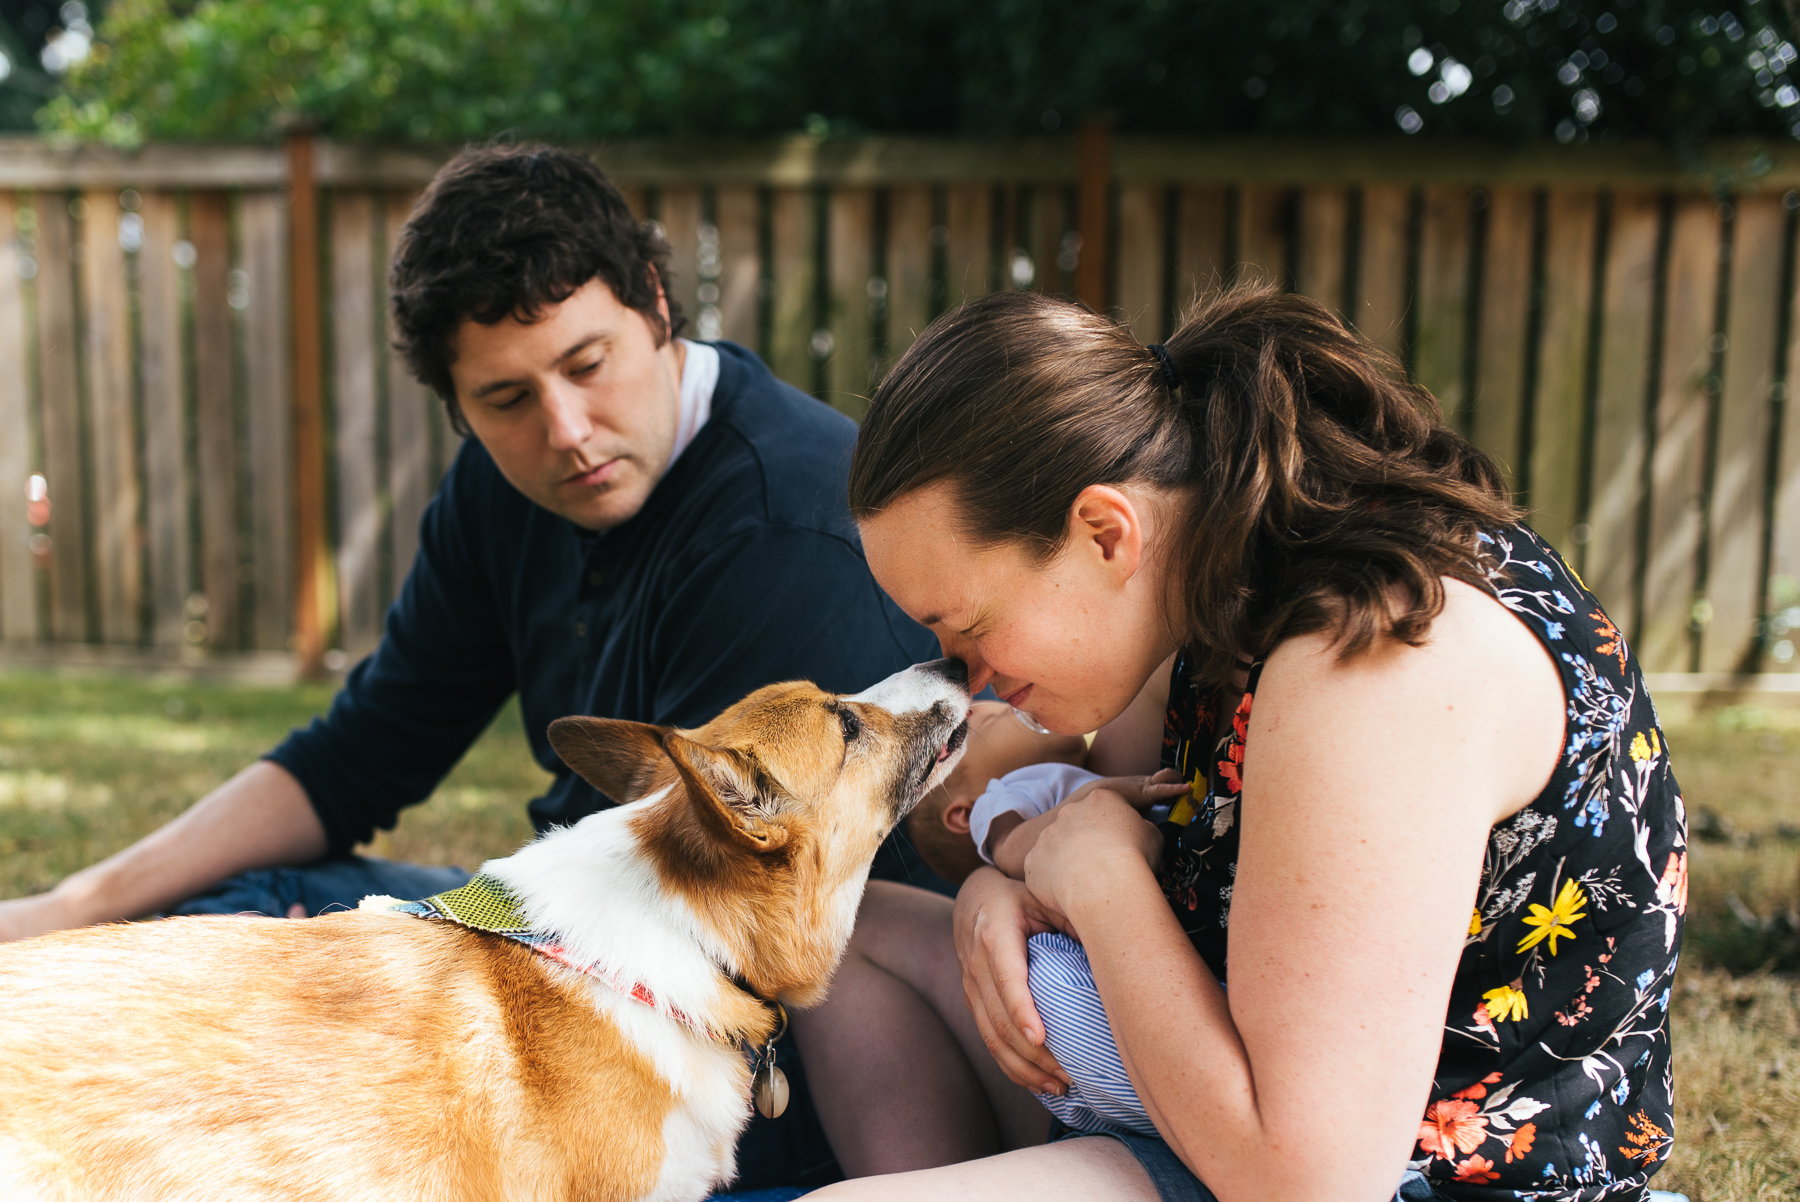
<point>1088,840</point>
<point>1011,843</point>
<point>994,918</point>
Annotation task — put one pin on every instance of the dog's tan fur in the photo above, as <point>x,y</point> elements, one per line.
<point>371,1055</point>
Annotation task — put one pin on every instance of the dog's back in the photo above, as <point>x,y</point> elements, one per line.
<point>404,1040</point>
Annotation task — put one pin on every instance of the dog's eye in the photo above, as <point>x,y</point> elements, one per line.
<point>851,723</point>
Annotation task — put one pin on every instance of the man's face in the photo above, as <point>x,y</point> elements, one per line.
<point>578,408</point>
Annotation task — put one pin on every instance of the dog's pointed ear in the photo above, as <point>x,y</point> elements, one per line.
<point>621,759</point>
<point>729,792</point>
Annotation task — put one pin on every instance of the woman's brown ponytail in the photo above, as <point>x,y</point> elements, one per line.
<point>1322,491</point>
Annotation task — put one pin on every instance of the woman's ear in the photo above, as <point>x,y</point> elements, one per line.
<point>956,816</point>
<point>1110,523</point>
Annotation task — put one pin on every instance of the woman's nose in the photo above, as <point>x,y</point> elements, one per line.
<point>979,673</point>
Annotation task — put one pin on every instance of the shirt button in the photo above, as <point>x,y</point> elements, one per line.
<point>581,630</point>
<point>594,578</point>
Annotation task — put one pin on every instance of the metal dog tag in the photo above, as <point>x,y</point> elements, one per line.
<point>771,1090</point>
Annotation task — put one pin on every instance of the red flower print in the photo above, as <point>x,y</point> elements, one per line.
<point>1521,1142</point>
<point>1673,885</point>
<point>1476,1171</point>
<point>1231,768</point>
<point>1451,1125</point>
<point>1611,641</point>
<point>1645,1141</point>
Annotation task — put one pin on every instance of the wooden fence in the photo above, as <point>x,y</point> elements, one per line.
<point>206,444</point>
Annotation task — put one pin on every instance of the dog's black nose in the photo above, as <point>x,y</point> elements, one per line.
<point>952,670</point>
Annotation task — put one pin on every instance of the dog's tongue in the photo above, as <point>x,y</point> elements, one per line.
<point>955,741</point>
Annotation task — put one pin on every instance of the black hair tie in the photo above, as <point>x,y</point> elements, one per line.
<point>1171,376</point>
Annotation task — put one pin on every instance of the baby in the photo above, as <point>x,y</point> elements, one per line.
<point>991,809</point>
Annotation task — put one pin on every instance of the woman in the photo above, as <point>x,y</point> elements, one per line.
<point>1433,845</point>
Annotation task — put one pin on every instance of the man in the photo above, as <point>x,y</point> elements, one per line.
<point>637,526</point>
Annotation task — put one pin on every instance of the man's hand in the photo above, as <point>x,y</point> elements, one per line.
<point>994,917</point>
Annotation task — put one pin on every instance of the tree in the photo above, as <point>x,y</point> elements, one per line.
<point>441,70</point>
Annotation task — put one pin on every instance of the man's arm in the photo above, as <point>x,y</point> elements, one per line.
<point>258,818</point>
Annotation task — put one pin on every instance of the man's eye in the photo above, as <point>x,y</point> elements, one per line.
<point>851,723</point>
<point>511,402</point>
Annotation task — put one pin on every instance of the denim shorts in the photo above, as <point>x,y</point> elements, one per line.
<point>1175,1182</point>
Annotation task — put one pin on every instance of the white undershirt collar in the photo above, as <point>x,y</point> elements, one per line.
<point>699,376</point>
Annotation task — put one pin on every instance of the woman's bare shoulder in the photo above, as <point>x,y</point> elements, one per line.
<point>1481,683</point>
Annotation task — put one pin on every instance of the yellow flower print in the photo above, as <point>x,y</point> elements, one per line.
<point>1475,923</point>
<point>1184,810</point>
<point>1645,749</point>
<point>1506,1003</point>
<point>1554,922</point>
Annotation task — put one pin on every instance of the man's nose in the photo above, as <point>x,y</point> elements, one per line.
<point>567,426</point>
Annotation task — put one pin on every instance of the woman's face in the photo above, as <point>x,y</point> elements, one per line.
<point>1070,640</point>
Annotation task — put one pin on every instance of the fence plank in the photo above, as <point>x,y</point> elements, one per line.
<point>1140,268</point>
<point>970,206</point>
<point>354,400</point>
<point>18,582</point>
<point>852,258</point>
<point>1203,248</point>
<point>1322,229</point>
<point>1783,600</point>
<point>1442,313</point>
<point>1505,313</point>
<point>1680,432</point>
<point>909,266</point>
<point>268,371</point>
<point>165,419</point>
<point>209,229</point>
<point>740,264</point>
<point>112,431</point>
<point>680,217</point>
<point>59,405</point>
<point>1048,220</point>
<point>1263,227</point>
<point>1381,284</point>
<point>1559,400</point>
<point>791,230</point>
<point>410,482</point>
<point>1735,508</point>
<point>1608,560</point>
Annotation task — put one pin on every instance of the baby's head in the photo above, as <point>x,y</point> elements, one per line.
<point>998,743</point>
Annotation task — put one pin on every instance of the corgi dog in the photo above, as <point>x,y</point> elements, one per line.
<point>600,1047</point>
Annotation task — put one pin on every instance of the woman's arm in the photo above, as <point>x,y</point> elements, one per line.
<point>1370,788</point>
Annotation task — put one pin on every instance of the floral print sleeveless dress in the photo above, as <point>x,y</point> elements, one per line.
<point>1554,1078</point>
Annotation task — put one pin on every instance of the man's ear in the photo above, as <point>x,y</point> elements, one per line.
<point>956,816</point>
<point>728,792</point>
<point>621,759</point>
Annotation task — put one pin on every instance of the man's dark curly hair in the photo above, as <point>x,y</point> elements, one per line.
<point>506,230</point>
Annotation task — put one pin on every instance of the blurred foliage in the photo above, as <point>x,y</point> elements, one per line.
<point>450,70</point>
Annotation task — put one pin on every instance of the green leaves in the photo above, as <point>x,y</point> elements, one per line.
<point>450,70</point>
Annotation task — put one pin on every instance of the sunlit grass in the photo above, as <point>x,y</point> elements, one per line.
<point>88,764</point>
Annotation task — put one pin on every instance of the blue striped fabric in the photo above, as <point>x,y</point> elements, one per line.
<point>1101,1099</point>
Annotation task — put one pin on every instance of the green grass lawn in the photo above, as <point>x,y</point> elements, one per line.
<point>88,764</point>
